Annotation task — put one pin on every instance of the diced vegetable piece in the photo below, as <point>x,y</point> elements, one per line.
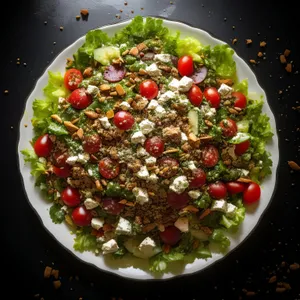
<point>193,120</point>
<point>104,55</point>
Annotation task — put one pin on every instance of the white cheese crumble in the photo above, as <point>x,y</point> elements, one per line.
<point>151,160</point>
<point>147,246</point>
<point>179,184</point>
<point>105,123</point>
<point>146,126</point>
<point>141,195</point>
<point>230,210</point>
<point>165,58</point>
<point>191,165</point>
<point>160,111</point>
<point>225,91</point>
<point>182,223</point>
<point>184,137</point>
<point>174,84</point>
<point>125,105</point>
<point>152,104</point>
<point>138,138</point>
<point>166,96</point>
<point>97,223</point>
<point>90,203</point>
<point>110,246</point>
<point>141,152</point>
<point>123,227</point>
<point>92,90</point>
<point>153,70</point>
<point>185,83</point>
<point>143,173</point>
<point>153,178</point>
<point>219,205</point>
<point>71,160</point>
<point>83,158</point>
<point>194,194</point>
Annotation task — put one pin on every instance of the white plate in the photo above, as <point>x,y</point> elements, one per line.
<point>61,232</point>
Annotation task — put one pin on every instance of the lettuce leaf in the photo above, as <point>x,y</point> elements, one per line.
<point>189,46</point>
<point>219,237</point>
<point>56,214</point>
<point>242,87</point>
<point>38,166</point>
<point>84,241</point>
<point>234,221</point>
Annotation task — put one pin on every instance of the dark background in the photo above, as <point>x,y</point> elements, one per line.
<point>28,247</point>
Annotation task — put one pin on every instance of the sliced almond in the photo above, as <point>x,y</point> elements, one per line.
<point>104,87</point>
<point>282,59</point>
<point>208,123</point>
<point>91,114</point>
<point>142,72</point>
<point>190,208</point>
<point>286,52</point>
<point>79,133</point>
<point>245,180</point>
<point>205,138</point>
<point>125,52</point>
<point>134,51</point>
<point>148,227</point>
<point>294,165</point>
<point>232,111</point>
<point>120,90</point>
<point>56,118</point>
<point>47,272</point>
<point>110,114</point>
<point>74,121</point>
<point>141,46</point>
<point>98,185</point>
<point>70,126</point>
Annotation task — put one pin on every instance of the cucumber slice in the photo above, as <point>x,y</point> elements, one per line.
<point>199,234</point>
<point>239,138</point>
<point>104,55</point>
<point>243,126</point>
<point>193,116</point>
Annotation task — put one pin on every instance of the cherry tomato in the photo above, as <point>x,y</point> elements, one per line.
<point>70,196</point>
<point>217,190</point>
<point>81,216</point>
<point>112,206</point>
<point>91,143</point>
<point>195,95</point>
<point>185,65</point>
<point>148,89</point>
<point>178,201</point>
<point>123,120</point>
<point>154,146</point>
<point>43,146</point>
<point>171,235</point>
<point>72,79</point>
<point>235,187</point>
<point>242,147</point>
<point>199,178</point>
<point>109,168</point>
<point>252,193</point>
<point>168,162</point>
<point>229,127</point>
<point>210,156</point>
<point>79,99</point>
<point>211,94</point>
<point>62,172</point>
<point>240,99</point>
<point>59,158</point>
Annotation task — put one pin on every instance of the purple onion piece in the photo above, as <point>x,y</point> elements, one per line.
<point>174,60</point>
<point>114,73</point>
<point>148,56</point>
<point>199,75</point>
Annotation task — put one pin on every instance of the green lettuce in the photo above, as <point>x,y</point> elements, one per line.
<point>38,166</point>
<point>220,238</point>
<point>236,220</point>
<point>57,214</point>
<point>189,46</point>
<point>242,87</point>
<point>84,241</point>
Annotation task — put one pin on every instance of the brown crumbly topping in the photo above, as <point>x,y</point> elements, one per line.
<point>234,41</point>
<point>260,54</point>
<point>286,52</point>
<point>293,165</point>
<point>84,11</point>
<point>262,44</point>
<point>288,67</point>
<point>248,41</point>
<point>252,61</point>
<point>282,59</point>
<point>47,272</point>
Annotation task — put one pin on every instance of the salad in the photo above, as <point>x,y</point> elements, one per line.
<point>148,145</point>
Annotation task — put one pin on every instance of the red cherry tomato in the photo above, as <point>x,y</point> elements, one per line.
<point>185,65</point>
<point>72,79</point>
<point>60,158</point>
<point>81,216</point>
<point>62,172</point>
<point>43,146</point>
<point>123,120</point>
<point>240,99</point>
<point>70,196</point>
<point>195,95</point>
<point>79,99</point>
<point>91,143</point>
<point>211,94</point>
<point>235,187</point>
<point>210,156</point>
<point>112,206</point>
<point>217,190</point>
<point>252,193</point>
<point>229,127</point>
<point>199,178</point>
<point>109,168</point>
<point>154,146</point>
<point>168,162</point>
<point>148,89</point>
<point>178,201</point>
<point>170,236</point>
<point>242,147</point>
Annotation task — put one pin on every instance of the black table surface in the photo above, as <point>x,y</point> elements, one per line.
<point>31,33</point>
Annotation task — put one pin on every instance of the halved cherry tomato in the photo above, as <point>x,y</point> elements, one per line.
<point>81,216</point>
<point>148,89</point>
<point>154,146</point>
<point>112,206</point>
<point>91,143</point>
<point>217,190</point>
<point>43,146</point>
<point>234,187</point>
<point>240,99</point>
<point>242,147</point>
<point>109,168</point>
<point>178,201</point>
<point>229,127</point>
<point>185,65</point>
<point>210,156</point>
<point>62,172</point>
<point>170,163</point>
<point>70,196</point>
<point>72,79</point>
<point>212,95</point>
<point>171,235</point>
<point>195,95</point>
<point>252,193</point>
<point>123,120</point>
<point>79,99</point>
<point>199,178</point>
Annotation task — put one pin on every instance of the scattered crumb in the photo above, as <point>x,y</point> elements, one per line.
<point>142,8</point>
<point>295,266</point>
<point>47,272</point>
<point>273,279</point>
<point>61,28</point>
<point>252,61</point>
<point>288,67</point>
<point>293,165</point>
<point>121,10</point>
<point>5,92</point>
<point>233,27</point>
<point>234,41</point>
<point>125,3</point>
<point>248,41</point>
<point>282,59</point>
<point>57,284</point>
<point>84,11</point>
<point>262,44</point>
<point>286,52</point>
<point>55,273</point>
<point>132,11</point>
<point>260,54</point>
<point>25,125</point>
<point>45,23</point>
<point>77,17</point>
<point>280,92</point>
<point>278,39</point>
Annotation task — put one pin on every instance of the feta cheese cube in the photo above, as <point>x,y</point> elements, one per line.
<point>141,195</point>
<point>71,160</point>
<point>138,138</point>
<point>165,58</point>
<point>185,83</point>
<point>153,178</point>
<point>179,184</point>
<point>92,90</point>
<point>225,91</point>
<point>97,223</point>
<point>141,152</point>
<point>184,137</point>
<point>146,126</point>
<point>152,104</point>
<point>110,247</point>
<point>83,158</point>
<point>147,247</point>
<point>125,105</point>
<point>143,173</point>
<point>210,114</point>
<point>150,161</point>
<point>184,102</point>
<point>105,123</point>
<point>174,84</point>
<point>191,165</point>
<point>123,227</point>
<point>160,111</point>
<point>153,70</point>
<point>244,172</point>
<point>219,205</point>
<point>166,96</point>
<point>230,210</point>
<point>182,223</point>
<point>194,194</point>
<point>90,172</point>
<point>90,203</point>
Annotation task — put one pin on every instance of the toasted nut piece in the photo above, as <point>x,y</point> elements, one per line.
<point>134,51</point>
<point>161,227</point>
<point>91,114</point>
<point>98,185</point>
<point>57,284</point>
<point>173,150</point>
<point>104,87</point>
<point>74,121</point>
<point>110,114</point>
<point>125,52</point>
<point>248,41</point>
<point>294,267</point>
<point>246,180</point>
<point>232,111</point>
<point>208,123</point>
<point>79,133</point>
<point>262,44</point>
<point>225,81</point>
<point>288,67</point>
<point>55,273</point>
<point>84,11</point>
<point>260,54</point>
<point>273,279</point>
<point>206,230</point>
<point>286,52</point>
<point>56,118</point>
<point>69,220</point>
<point>113,93</point>
<point>120,90</point>
<point>70,126</point>
<point>190,208</point>
<point>282,59</point>
<point>141,46</point>
<point>166,248</point>
<point>234,41</point>
<point>149,227</point>
<point>88,72</point>
<point>47,272</point>
<point>165,68</point>
<point>252,61</point>
<point>142,72</point>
